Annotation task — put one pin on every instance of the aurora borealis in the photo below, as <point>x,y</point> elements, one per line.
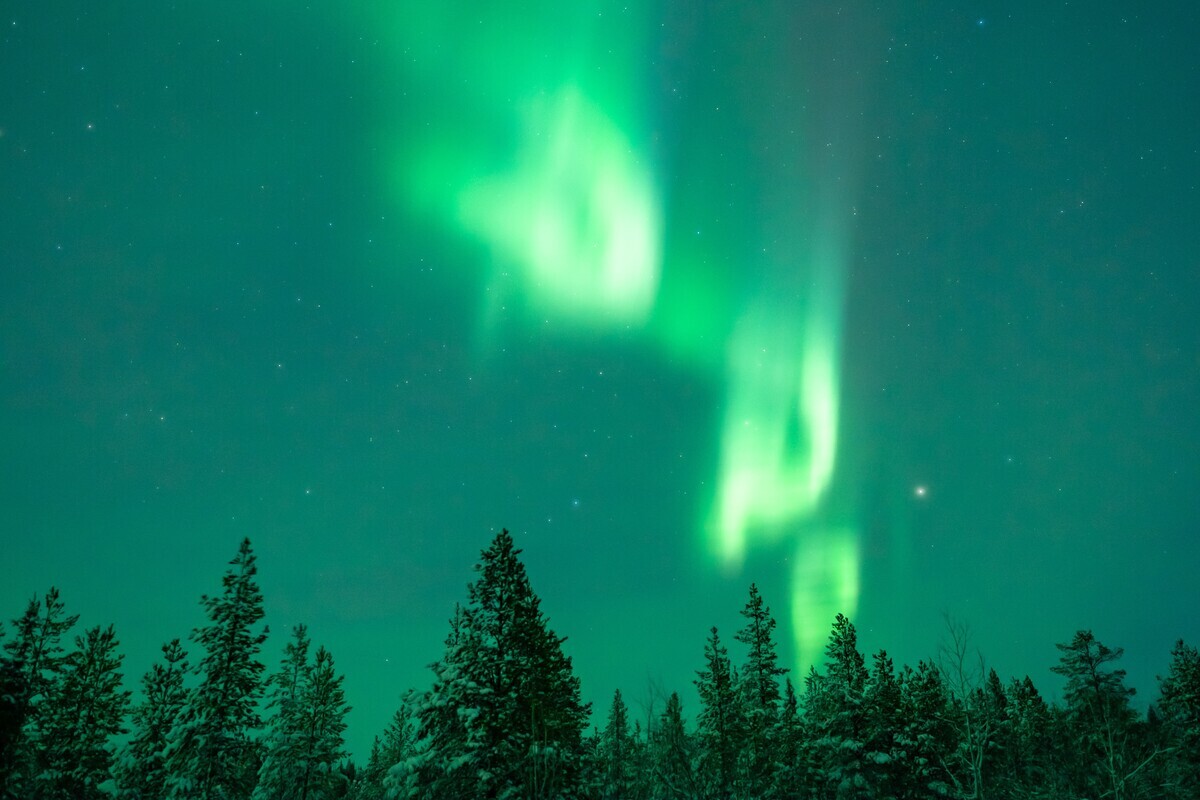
<point>891,310</point>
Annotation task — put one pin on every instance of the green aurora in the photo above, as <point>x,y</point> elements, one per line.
<point>685,295</point>
<point>570,211</point>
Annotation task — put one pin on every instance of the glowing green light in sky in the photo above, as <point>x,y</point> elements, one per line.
<point>577,217</point>
<point>534,146</point>
<point>779,434</point>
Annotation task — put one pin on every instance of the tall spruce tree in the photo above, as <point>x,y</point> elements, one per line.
<point>88,711</point>
<point>213,753</point>
<point>1032,751</point>
<point>389,754</point>
<point>141,769</point>
<point>616,753</point>
<point>926,737</point>
<point>673,755</point>
<point>787,781</point>
<point>1179,705</point>
<point>304,743</point>
<point>840,720</point>
<point>504,718</point>
<point>35,670</point>
<point>883,755</point>
<point>759,688</point>
<point>720,723</point>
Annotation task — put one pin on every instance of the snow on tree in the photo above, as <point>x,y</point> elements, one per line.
<point>1179,705</point>
<point>1100,719</point>
<point>504,717</point>
<point>34,668</point>
<point>719,728</point>
<point>140,770</point>
<point>673,755</point>
<point>838,716</point>
<point>87,712</point>
<point>212,753</point>
<point>759,690</point>
<point>616,753</point>
<point>393,750</point>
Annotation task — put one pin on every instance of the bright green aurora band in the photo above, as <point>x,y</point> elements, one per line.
<point>537,148</point>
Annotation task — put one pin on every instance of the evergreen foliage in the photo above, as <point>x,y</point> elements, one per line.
<point>213,752</point>
<point>720,725</point>
<point>616,754</point>
<point>304,744</point>
<point>504,719</point>
<point>1109,754</point>
<point>673,758</point>
<point>759,691</point>
<point>34,669</point>
<point>141,772</point>
<point>87,712</point>
<point>1179,705</point>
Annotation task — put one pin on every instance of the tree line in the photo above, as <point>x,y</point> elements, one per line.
<point>504,717</point>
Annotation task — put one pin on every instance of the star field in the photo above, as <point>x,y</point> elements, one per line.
<point>891,311</point>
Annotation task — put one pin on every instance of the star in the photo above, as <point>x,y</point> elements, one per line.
<point>920,491</point>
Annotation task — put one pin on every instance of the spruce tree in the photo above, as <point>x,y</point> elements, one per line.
<point>34,670</point>
<point>787,779</point>
<point>1032,751</point>
<point>322,725</point>
<point>616,753</point>
<point>760,696</point>
<point>88,711</point>
<point>926,736</point>
<point>840,723</point>
<point>504,717</point>
<point>1179,705</point>
<point>719,726</point>
<point>673,755</point>
<point>883,756</point>
<point>279,774</point>
<point>213,751</point>
<point>141,769</point>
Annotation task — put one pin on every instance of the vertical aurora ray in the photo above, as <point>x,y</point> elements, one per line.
<point>778,445</point>
<point>534,145</point>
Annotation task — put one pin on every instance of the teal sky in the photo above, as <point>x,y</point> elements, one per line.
<point>892,310</point>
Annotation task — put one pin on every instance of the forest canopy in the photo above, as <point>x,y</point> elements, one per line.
<point>504,718</point>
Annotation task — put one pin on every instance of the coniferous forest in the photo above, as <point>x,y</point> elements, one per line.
<point>217,717</point>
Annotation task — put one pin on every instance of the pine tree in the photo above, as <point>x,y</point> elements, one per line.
<point>616,753</point>
<point>279,774</point>
<point>322,725</point>
<point>141,771</point>
<point>993,704</point>
<point>760,696</point>
<point>1100,719</point>
<point>927,737</point>
<point>673,755</point>
<point>35,666</point>
<point>1032,749</point>
<point>787,780</point>
<point>883,756</point>
<point>88,710</point>
<point>840,718</point>
<point>213,753</point>
<point>719,726</point>
<point>1179,705</point>
<point>389,756</point>
<point>304,743</point>
<point>504,718</point>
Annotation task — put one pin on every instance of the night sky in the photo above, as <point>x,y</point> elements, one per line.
<point>891,309</point>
